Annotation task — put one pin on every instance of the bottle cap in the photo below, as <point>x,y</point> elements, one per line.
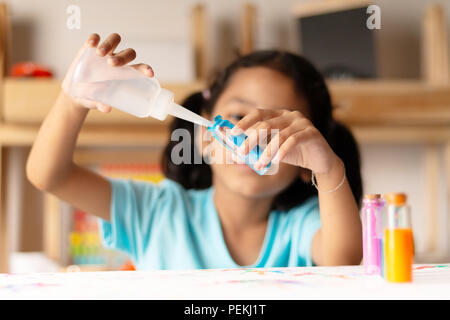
<point>395,198</point>
<point>372,196</point>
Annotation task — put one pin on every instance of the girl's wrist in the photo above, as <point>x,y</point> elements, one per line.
<point>333,177</point>
<point>69,103</point>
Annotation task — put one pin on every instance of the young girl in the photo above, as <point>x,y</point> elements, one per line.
<point>223,215</point>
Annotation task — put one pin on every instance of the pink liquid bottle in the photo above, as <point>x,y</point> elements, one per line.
<point>371,215</point>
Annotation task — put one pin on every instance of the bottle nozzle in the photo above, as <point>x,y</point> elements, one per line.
<point>180,112</point>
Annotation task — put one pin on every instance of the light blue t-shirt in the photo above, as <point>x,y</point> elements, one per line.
<point>165,226</point>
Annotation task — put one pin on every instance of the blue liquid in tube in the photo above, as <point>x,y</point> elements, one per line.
<point>232,142</point>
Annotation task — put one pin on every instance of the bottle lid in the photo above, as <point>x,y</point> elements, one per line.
<point>373,199</point>
<point>395,198</point>
<point>372,196</point>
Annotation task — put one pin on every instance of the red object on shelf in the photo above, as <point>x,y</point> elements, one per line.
<point>30,69</point>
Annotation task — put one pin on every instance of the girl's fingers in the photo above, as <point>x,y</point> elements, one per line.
<point>293,133</point>
<point>93,40</point>
<point>253,137</point>
<point>123,57</point>
<point>144,68</point>
<point>268,154</point>
<point>289,145</point>
<point>253,117</point>
<point>103,107</point>
<point>274,145</point>
<point>109,45</point>
<point>259,132</point>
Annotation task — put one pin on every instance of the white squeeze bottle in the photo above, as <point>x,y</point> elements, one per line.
<point>124,88</point>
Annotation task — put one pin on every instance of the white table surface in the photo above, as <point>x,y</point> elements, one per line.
<point>431,281</point>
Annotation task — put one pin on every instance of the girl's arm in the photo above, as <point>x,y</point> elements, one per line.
<point>50,165</point>
<point>339,240</point>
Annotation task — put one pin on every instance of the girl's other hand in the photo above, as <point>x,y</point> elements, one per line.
<point>297,142</point>
<point>106,48</point>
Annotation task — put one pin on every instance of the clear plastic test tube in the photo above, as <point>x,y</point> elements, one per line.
<point>398,239</point>
<point>371,215</point>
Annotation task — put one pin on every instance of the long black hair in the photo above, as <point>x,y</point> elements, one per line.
<point>310,84</point>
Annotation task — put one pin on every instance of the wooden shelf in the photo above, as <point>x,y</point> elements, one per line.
<point>392,134</point>
<point>322,7</point>
<point>403,103</point>
<point>99,135</point>
<point>32,107</point>
<point>139,136</point>
<point>373,109</point>
<point>359,102</point>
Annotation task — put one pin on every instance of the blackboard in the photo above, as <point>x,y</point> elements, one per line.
<point>339,43</point>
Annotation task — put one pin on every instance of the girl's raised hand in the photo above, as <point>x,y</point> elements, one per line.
<point>296,141</point>
<point>106,48</point>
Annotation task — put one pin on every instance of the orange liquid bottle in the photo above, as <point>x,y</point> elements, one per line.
<point>398,240</point>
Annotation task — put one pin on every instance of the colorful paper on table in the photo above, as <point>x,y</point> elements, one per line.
<point>344,282</point>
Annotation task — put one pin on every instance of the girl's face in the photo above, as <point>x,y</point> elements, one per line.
<point>249,88</point>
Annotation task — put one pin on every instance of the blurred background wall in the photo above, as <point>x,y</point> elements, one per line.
<point>40,31</point>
